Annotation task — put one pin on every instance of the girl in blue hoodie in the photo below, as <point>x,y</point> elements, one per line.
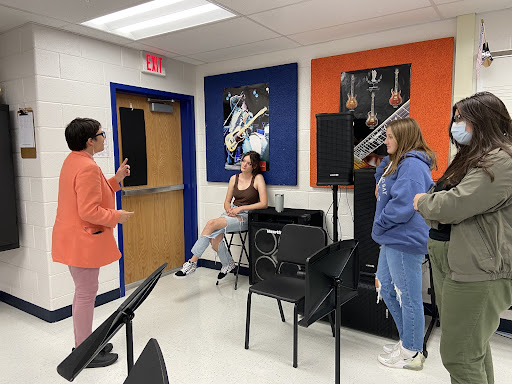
<point>402,234</point>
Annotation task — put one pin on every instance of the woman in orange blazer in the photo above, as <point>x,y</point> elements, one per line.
<point>83,235</point>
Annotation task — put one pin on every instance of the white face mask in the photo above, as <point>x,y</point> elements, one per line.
<point>459,133</point>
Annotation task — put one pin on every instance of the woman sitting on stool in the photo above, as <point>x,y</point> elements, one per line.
<point>250,192</point>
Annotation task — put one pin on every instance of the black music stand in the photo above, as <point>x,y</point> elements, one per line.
<point>332,276</point>
<point>72,365</point>
<point>150,366</point>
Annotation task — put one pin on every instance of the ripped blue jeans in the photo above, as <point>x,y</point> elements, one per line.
<point>233,224</point>
<point>400,278</point>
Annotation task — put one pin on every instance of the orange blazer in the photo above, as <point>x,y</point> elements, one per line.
<point>86,215</point>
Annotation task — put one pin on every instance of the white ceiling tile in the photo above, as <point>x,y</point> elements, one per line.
<point>437,2</point>
<point>303,21</point>
<point>189,60</point>
<point>472,6</point>
<point>318,14</point>
<point>249,7</point>
<point>209,37</point>
<point>256,48</point>
<point>403,19</point>
<point>71,11</point>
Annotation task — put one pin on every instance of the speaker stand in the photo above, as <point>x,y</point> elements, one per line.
<point>337,315</point>
<point>335,213</point>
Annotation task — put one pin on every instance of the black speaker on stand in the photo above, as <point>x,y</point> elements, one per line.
<point>335,155</point>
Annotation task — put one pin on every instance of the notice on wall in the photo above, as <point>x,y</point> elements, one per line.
<point>26,137</point>
<point>26,134</point>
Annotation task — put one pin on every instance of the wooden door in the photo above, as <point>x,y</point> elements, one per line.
<point>155,234</point>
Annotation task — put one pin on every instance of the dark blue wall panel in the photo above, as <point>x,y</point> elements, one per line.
<point>282,81</point>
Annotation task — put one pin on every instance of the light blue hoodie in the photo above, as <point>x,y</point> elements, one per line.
<point>396,223</point>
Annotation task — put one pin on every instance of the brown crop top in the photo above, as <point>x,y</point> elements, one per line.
<point>245,196</point>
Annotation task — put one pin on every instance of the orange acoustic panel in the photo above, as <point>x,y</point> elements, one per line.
<point>431,89</point>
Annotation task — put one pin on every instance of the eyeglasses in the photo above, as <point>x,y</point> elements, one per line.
<point>457,118</point>
<point>100,134</point>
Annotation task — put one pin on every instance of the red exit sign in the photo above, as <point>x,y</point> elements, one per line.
<point>153,64</point>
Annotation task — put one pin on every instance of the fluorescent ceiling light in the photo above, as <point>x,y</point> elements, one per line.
<point>158,17</point>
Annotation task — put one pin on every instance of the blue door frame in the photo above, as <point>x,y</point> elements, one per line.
<point>188,157</point>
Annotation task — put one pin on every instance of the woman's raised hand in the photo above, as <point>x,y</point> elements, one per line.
<point>123,171</point>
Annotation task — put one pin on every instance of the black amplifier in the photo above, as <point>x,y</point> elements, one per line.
<point>265,227</point>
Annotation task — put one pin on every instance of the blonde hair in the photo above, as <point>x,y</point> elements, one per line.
<point>407,133</point>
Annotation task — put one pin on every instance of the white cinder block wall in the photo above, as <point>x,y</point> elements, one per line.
<point>211,195</point>
<point>62,76</point>
<point>17,81</point>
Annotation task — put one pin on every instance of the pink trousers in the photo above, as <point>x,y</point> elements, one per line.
<point>86,288</point>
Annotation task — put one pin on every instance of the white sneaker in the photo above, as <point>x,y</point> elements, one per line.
<point>188,268</point>
<point>388,348</point>
<point>226,269</point>
<point>399,359</point>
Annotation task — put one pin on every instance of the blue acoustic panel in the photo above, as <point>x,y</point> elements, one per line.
<point>282,116</point>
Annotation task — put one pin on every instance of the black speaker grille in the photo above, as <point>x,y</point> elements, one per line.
<point>265,227</point>
<point>363,312</point>
<point>364,212</point>
<point>263,246</point>
<point>335,148</point>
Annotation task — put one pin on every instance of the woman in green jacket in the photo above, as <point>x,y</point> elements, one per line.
<point>469,211</point>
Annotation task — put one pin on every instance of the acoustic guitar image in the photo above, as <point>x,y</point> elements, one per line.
<point>395,100</point>
<point>376,138</point>
<point>351,102</point>
<point>235,137</point>
<point>372,120</point>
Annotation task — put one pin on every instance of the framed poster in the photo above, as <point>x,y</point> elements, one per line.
<point>252,110</point>
<point>376,96</point>
<point>246,124</point>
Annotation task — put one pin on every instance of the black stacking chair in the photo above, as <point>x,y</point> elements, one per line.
<point>296,244</point>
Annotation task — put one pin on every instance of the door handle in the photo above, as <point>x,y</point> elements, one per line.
<point>146,191</point>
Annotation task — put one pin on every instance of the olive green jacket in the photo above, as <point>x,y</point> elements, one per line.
<point>480,212</point>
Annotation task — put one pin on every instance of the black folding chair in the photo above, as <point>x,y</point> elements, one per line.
<point>296,244</point>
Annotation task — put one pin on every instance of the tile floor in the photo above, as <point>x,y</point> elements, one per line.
<point>200,328</point>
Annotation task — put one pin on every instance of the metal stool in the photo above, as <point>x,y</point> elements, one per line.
<point>243,237</point>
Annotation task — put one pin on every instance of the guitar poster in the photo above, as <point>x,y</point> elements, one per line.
<point>376,96</point>
<point>246,124</point>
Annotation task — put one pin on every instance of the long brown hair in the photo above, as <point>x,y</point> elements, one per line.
<point>408,137</point>
<point>492,128</point>
<point>255,161</point>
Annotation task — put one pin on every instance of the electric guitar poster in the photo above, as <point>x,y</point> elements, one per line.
<point>246,124</point>
<point>376,96</point>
